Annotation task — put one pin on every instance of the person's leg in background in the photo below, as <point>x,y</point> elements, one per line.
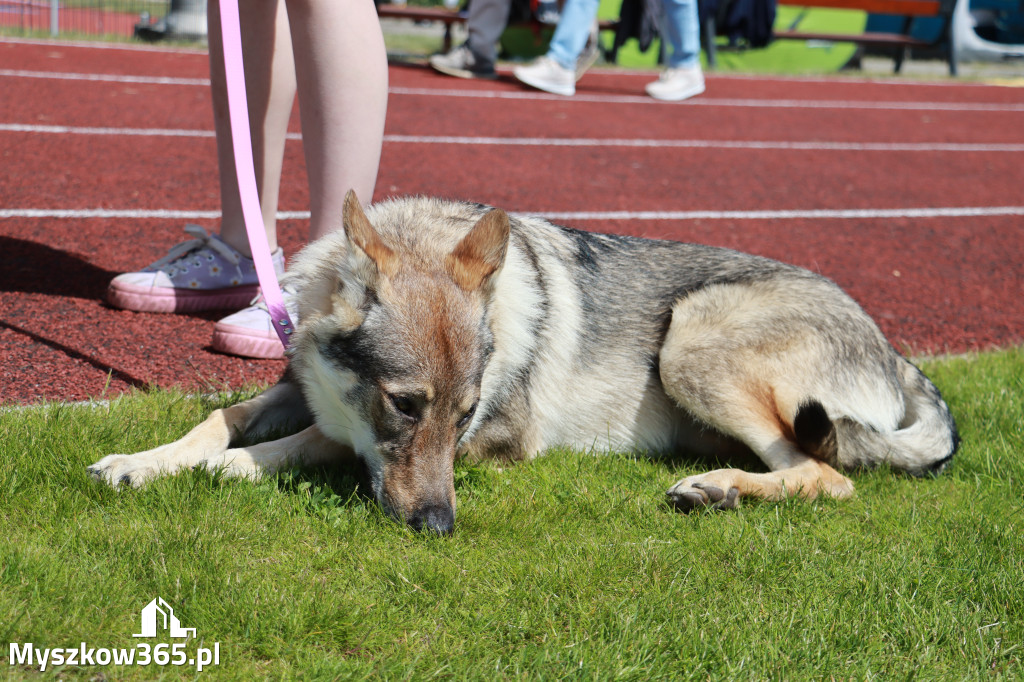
<point>477,57</point>
<point>555,72</point>
<point>683,77</point>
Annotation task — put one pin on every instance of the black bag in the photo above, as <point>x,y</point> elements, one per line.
<point>640,19</point>
<point>746,23</point>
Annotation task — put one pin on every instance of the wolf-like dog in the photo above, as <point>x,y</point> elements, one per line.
<point>434,329</point>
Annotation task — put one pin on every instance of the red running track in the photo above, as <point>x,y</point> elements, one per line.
<point>907,194</point>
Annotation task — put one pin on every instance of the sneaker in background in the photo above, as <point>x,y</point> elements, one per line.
<point>462,63</point>
<point>675,85</point>
<point>548,75</point>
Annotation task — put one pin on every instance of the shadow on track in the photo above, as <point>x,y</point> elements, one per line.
<point>31,267</point>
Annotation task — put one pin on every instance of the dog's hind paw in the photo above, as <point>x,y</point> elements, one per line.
<point>123,470</point>
<point>688,495</point>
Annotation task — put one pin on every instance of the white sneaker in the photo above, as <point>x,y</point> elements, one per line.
<point>548,75</point>
<point>250,333</point>
<point>677,84</point>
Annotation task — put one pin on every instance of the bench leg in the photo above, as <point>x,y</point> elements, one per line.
<point>710,46</point>
<point>950,51</point>
<point>901,55</point>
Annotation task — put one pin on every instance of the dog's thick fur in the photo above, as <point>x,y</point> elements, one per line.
<point>432,329</point>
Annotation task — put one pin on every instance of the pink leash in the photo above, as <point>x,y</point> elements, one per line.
<point>241,137</point>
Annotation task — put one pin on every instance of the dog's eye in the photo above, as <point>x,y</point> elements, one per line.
<point>405,406</point>
<point>466,417</point>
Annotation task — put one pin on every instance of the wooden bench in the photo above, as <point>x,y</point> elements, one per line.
<point>900,42</point>
<point>448,17</point>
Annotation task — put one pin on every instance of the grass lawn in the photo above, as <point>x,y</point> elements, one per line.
<point>571,566</point>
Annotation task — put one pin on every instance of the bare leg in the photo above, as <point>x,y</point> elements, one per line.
<point>270,93</point>
<point>342,69</point>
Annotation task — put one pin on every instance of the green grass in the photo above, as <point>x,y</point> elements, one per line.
<point>571,566</point>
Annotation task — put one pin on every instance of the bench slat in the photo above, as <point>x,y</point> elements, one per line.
<point>419,13</point>
<point>862,38</point>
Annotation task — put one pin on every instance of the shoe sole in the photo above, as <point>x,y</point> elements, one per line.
<point>246,343</point>
<point>146,300</point>
<point>565,91</point>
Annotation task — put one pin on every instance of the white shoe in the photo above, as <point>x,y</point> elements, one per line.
<point>677,84</point>
<point>548,75</point>
<point>250,332</point>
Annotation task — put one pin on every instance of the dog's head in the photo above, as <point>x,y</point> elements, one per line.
<point>391,352</point>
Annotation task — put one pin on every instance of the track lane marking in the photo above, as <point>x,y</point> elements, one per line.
<point>705,101</point>
<point>579,97</point>
<point>104,77</point>
<point>784,214</point>
<point>783,145</point>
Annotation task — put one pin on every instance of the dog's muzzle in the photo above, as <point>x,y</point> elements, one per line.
<point>437,518</point>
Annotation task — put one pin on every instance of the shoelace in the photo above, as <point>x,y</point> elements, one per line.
<point>202,240</point>
<point>288,292</point>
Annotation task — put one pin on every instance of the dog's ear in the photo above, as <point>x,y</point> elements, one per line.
<point>365,245</point>
<point>481,253</point>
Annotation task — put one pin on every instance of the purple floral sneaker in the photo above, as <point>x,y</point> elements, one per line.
<point>202,273</point>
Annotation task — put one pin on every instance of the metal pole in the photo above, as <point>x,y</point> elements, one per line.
<point>54,18</point>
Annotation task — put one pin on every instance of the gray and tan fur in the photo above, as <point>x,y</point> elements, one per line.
<point>432,329</point>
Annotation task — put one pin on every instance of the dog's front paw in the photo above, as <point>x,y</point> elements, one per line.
<point>695,492</point>
<point>124,470</point>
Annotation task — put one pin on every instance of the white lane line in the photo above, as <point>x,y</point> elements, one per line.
<point>716,101</point>
<point>812,214</point>
<point>104,77</point>
<point>91,130</point>
<point>130,47</point>
<point>579,97</point>
<point>712,144</point>
<point>564,141</point>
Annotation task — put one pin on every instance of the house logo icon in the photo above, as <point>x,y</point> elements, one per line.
<point>158,614</point>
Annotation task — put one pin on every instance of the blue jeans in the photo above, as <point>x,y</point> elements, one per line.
<point>681,31</point>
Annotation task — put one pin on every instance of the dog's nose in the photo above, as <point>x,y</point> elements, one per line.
<point>438,518</point>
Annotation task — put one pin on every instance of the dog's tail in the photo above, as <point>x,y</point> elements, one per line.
<point>924,442</point>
